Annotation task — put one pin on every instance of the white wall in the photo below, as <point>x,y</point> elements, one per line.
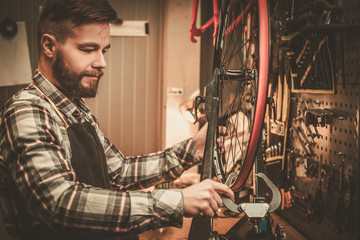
<point>133,107</point>
<point>128,104</point>
<point>181,68</point>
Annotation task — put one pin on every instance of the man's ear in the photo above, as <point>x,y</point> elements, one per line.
<point>48,46</point>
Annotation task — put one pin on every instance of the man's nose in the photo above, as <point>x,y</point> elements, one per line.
<point>99,61</point>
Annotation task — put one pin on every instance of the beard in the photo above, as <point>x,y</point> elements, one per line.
<point>70,81</point>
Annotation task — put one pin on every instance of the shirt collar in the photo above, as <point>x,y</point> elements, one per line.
<point>59,99</point>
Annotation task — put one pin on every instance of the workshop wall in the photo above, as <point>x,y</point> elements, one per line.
<point>181,70</point>
<point>148,78</point>
<point>27,11</point>
<point>320,165</point>
<point>128,104</point>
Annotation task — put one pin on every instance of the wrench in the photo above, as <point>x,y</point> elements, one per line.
<point>298,194</point>
<point>300,130</point>
<point>300,140</point>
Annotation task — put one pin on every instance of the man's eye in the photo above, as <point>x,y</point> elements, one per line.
<point>87,50</point>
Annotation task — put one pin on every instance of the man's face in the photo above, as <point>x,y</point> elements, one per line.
<point>79,61</point>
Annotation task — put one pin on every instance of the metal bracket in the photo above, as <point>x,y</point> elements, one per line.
<point>276,196</point>
<point>254,209</point>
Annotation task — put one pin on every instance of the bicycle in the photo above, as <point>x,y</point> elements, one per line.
<point>236,96</point>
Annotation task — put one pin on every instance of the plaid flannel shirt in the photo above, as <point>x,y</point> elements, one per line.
<point>38,183</point>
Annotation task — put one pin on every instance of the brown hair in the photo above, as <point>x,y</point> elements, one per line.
<point>58,17</point>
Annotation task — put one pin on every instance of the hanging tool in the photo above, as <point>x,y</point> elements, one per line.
<point>310,144</point>
<point>317,207</point>
<point>279,98</point>
<point>307,152</point>
<point>280,150</point>
<point>311,134</point>
<point>301,131</point>
<point>326,58</point>
<point>271,102</point>
<point>286,199</point>
<point>298,194</point>
<point>303,209</point>
<point>323,116</point>
<point>342,43</point>
<point>286,100</point>
<point>341,219</point>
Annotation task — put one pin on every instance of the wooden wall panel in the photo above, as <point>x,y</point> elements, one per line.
<point>27,11</point>
<point>181,68</point>
<point>127,105</point>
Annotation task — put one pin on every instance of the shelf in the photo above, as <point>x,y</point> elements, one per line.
<point>273,159</point>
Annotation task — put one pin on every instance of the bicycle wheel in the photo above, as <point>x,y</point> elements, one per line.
<point>242,60</point>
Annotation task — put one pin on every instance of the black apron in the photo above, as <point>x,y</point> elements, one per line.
<point>88,157</point>
<point>89,162</point>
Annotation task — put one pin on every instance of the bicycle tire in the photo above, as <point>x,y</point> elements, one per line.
<point>242,59</point>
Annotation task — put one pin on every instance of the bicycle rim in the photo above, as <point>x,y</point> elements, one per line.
<point>243,61</point>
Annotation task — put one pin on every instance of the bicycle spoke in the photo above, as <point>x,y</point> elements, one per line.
<point>238,85</point>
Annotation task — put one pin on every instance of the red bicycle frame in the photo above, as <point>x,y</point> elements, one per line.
<point>196,32</point>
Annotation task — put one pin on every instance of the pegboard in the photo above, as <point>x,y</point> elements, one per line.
<point>332,149</point>
<point>338,141</point>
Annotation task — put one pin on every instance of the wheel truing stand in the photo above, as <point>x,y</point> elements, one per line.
<point>256,211</point>
<point>202,228</point>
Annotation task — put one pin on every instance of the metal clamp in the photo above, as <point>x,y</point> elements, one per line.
<point>254,209</point>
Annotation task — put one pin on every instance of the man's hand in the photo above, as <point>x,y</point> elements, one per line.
<point>204,198</point>
<point>200,136</point>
